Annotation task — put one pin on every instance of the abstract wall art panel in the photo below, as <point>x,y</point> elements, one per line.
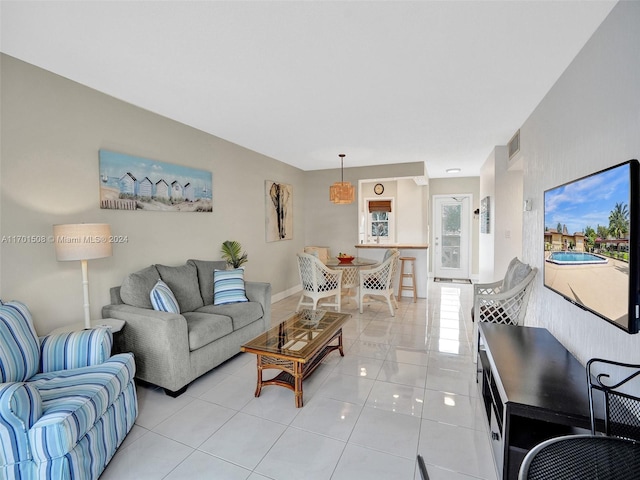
<point>279,211</point>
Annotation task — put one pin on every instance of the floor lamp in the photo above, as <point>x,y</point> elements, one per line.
<point>82,241</point>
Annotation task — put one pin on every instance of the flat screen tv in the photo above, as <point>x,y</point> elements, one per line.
<point>591,243</point>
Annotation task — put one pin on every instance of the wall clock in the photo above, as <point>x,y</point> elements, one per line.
<point>378,189</point>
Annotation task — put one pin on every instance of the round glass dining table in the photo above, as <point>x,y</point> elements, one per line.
<point>350,274</point>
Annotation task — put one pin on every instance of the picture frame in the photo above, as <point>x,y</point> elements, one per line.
<point>134,183</point>
<point>278,211</point>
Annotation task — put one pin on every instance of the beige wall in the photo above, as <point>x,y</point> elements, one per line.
<point>52,129</point>
<point>51,132</point>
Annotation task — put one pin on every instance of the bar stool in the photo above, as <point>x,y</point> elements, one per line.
<point>411,276</point>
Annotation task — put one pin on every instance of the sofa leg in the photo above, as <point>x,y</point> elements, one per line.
<point>177,393</point>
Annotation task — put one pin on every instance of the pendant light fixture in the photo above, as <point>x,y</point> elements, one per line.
<point>342,193</point>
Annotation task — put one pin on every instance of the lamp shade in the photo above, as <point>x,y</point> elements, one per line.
<point>342,193</point>
<point>82,241</point>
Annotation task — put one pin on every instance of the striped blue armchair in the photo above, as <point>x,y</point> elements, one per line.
<point>66,404</point>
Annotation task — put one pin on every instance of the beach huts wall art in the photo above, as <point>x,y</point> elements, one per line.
<point>279,211</point>
<point>134,183</point>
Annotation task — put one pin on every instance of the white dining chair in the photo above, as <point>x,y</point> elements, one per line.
<point>377,284</point>
<point>318,282</point>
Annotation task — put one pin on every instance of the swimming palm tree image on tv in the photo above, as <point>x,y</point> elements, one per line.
<point>591,243</point>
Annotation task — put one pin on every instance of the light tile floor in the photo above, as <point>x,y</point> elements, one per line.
<point>405,386</point>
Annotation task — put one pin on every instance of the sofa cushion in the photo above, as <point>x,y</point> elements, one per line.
<point>204,328</point>
<point>183,282</point>
<point>163,299</point>
<point>242,314</point>
<point>228,286</point>
<point>516,273</point>
<point>205,276</point>
<point>137,286</point>
<point>19,344</point>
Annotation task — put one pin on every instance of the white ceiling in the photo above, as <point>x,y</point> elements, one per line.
<point>301,81</point>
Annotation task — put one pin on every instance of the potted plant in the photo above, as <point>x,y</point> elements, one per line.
<point>231,253</point>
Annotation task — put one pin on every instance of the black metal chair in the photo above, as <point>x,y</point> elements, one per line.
<point>615,380</point>
<point>616,455</point>
<point>582,457</point>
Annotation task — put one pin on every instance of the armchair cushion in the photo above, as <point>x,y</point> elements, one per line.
<point>516,273</point>
<point>137,286</point>
<point>19,346</point>
<point>73,401</point>
<point>64,351</point>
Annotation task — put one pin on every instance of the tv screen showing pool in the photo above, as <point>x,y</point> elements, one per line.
<point>590,243</point>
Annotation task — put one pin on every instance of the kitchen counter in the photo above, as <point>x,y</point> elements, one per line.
<point>418,250</point>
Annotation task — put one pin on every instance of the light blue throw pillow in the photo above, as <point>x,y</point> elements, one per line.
<point>163,299</point>
<point>228,286</point>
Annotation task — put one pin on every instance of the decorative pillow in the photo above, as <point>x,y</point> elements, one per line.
<point>228,286</point>
<point>136,287</point>
<point>162,298</point>
<point>19,344</point>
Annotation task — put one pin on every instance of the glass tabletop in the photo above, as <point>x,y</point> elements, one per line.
<point>300,336</point>
<point>356,262</point>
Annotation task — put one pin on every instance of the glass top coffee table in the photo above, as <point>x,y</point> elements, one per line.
<point>296,347</point>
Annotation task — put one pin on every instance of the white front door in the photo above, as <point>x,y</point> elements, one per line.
<point>451,235</point>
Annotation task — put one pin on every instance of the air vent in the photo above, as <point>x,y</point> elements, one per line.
<point>514,145</point>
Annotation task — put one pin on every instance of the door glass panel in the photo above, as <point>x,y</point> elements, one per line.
<point>451,235</point>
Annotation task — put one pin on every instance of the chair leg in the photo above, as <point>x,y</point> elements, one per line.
<point>395,300</point>
<point>391,309</point>
<point>476,342</point>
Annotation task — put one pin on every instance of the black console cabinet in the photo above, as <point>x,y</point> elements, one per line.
<point>533,389</point>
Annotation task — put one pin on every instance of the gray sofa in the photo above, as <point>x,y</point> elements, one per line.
<point>171,350</point>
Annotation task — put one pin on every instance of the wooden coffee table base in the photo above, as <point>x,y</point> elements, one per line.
<point>294,371</point>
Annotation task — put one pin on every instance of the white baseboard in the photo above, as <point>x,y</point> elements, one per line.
<point>282,295</point>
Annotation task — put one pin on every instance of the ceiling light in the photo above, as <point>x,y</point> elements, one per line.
<point>454,170</point>
<point>342,192</point>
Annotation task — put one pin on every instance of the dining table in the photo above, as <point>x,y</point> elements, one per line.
<point>351,274</point>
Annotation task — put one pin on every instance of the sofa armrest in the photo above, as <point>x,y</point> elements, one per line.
<point>65,351</point>
<point>159,341</point>
<point>20,408</point>
<point>260,292</point>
